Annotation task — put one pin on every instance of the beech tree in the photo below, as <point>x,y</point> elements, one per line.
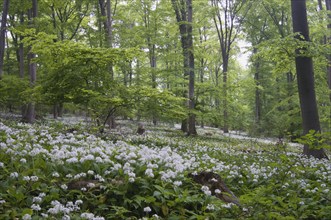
<point>220,93</point>
<point>305,77</point>
<point>227,23</point>
<point>183,10</point>
<point>328,7</point>
<point>30,114</point>
<point>3,33</point>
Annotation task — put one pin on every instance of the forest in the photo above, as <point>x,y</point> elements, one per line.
<point>165,109</point>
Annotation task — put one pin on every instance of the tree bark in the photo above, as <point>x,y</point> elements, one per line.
<point>107,14</point>
<point>328,40</point>
<point>305,78</point>
<point>3,34</point>
<point>225,20</point>
<point>258,107</point>
<point>21,50</point>
<point>184,14</point>
<point>225,94</point>
<point>30,111</point>
<point>191,120</point>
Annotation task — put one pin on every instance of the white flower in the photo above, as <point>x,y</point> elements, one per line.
<point>91,172</point>
<point>210,207</point>
<point>26,178</point>
<point>72,160</point>
<point>23,160</point>
<point>55,174</point>
<point>206,190</point>
<point>44,215</point>
<point>26,217</point>
<point>98,160</point>
<point>90,185</point>
<point>208,193</point>
<point>149,172</point>
<point>14,175</point>
<point>87,215</point>
<point>100,178</point>
<point>228,205</point>
<point>78,202</point>
<point>178,183</point>
<point>131,179</point>
<point>155,216</point>
<point>69,176</point>
<point>218,191</point>
<point>2,201</point>
<point>64,187</point>
<point>83,189</point>
<point>215,180</point>
<point>41,195</point>
<point>1,164</point>
<point>147,209</point>
<point>66,217</point>
<point>37,199</point>
<point>34,178</point>
<point>35,207</point>
<point>98,218</point>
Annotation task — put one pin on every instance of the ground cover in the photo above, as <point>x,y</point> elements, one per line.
<point>65,171</point>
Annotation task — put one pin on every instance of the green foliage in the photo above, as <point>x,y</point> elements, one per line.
<point>74,63</point>
<point>158,104</point>
<point>12,90</point>
<point>133,177</point>
<point>316,140</point>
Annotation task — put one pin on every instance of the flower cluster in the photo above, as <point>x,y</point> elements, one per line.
<point>78,156</point>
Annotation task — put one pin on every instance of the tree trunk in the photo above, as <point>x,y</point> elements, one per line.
<point>3,34</point>
<point>153,66</point>
<point>55,110</point>
<point>191,120</point>
<point>328,7</point>
<point>106,13</point>
<point>183,10</point>
<point>258,108</point>
<point>21,50</point>
<point>30,112</point>
<point>225,66</point>
<point>227,32</point>
<point>305,79</point>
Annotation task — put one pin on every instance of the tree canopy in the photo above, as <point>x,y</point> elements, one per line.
<point>147,60</point>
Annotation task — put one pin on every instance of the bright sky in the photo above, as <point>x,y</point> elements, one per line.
<point>243,57</point>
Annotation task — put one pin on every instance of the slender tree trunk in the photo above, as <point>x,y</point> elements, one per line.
<point>191,73</point>
<point>184,12</point>
<point>258,107</point>
<point>202,63</point>
<point>30,111</point>
<point>328,7</point>
<point>305,79</point>
<point>225,91</point>
<point>21,60</point>
<point>3,34</point>
<point>107,16</point>
<point>21,50</point>
<point>153,66</point>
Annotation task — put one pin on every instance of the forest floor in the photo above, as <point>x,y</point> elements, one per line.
<point>66,169</point>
